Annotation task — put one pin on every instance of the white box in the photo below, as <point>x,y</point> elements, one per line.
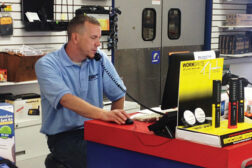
<point>7,136</point>
<point>26,111</point>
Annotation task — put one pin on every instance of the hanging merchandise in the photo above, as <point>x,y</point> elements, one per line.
<point>100,13</point>
<point>108,19</point>
<point>42,15</point>
<point>6,23</point>
<point>113,35</point>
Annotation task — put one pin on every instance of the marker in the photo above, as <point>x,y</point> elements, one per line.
<point>240,102</point>
<point>216,110</point>
<point>232,107</point>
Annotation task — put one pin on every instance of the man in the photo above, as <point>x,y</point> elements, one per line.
<point>72,84</point>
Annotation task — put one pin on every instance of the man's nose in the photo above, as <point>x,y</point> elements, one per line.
<point>98,43</point>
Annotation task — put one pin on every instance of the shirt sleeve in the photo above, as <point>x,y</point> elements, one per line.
<point>50,80</point>
<point>111,80</point>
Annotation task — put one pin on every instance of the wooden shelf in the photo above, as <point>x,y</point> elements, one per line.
<point>17,83</point>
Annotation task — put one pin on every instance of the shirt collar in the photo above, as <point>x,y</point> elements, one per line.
<point>65,59</point>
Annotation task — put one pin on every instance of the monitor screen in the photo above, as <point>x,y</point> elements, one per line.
<point>170,93</point>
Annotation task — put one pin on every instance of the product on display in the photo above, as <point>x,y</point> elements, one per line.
<point>7,139</point>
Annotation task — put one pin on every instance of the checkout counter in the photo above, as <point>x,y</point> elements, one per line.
<point>111,146</point>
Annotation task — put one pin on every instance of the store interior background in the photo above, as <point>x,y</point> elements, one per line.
<point>49,40</point>
<point>52,40</point>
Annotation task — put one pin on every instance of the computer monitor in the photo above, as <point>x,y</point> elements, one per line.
<point>170,93</point>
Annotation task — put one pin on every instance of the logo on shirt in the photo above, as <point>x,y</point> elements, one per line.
<point>92,77</point>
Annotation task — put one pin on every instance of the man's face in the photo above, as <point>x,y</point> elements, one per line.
<point>89,40</point>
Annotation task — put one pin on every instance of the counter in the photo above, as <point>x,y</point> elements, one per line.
<point>112,145</point>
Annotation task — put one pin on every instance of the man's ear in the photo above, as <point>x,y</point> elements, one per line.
<point>75,38</point>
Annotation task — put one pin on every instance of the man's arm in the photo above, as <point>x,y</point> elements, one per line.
<point>118,104</point>
<point>85,109</point>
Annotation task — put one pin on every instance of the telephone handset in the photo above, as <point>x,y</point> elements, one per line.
<point>97,56</point>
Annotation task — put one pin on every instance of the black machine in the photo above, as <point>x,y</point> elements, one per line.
<point>45,10</point>
<point>111,28</point>
<point>170,95</point>
<point>96,11</point>
<point>167,124</point>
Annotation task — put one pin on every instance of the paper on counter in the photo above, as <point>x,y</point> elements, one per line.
<point>148,115</point>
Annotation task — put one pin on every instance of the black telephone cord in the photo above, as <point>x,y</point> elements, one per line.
<point>122,89</point>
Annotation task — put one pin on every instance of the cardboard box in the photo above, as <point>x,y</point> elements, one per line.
<point>7,136</point>
<point>27,109</point>
<point>217,137</point>
<point>19,68</point>
<point>239,19</point>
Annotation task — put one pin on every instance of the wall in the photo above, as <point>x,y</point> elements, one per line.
<point>46,40</point>
<point>220,9</point>
<point>53,40</point>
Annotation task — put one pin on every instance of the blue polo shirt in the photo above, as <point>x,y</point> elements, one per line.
<point>58,75</point>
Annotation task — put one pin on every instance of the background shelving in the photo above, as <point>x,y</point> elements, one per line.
<point>237,55</point>
<point>236,60</point>
<point>243,28</point>
<point>17,83</point>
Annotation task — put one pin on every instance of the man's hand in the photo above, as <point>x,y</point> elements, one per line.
<point>118,116</point>
<point>85,109</point>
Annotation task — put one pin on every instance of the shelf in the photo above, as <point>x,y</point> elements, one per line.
<point>238,1</point>
<point>245,28</point>
<point>236,58</point>
<point>237,55</point>
<point>17,83</point>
